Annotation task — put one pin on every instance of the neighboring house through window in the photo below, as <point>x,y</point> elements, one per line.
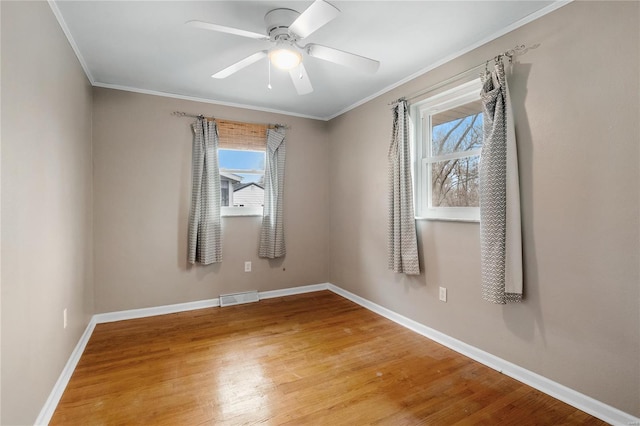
<point>249,194</point>
<point>448,141</point>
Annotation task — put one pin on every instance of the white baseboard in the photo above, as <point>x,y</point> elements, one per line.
<point>293,290</point>
<point>583,402</point>
<point>61,384</point>
<point>200,304</point>
<point>157,310</point>
<point>576,399</point>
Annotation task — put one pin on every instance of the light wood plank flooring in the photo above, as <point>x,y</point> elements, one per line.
<point>315,358</point>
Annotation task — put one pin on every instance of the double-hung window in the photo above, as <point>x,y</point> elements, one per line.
<point>448,139</point>
<point>241,157</point>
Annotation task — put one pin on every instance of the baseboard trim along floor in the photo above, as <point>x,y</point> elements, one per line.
<point>576,399</point>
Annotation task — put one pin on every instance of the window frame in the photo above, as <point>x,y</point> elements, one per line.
<point>421,113</point>
<point>229,211</point>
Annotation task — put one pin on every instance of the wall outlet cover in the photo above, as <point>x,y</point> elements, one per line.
<point>443,294</point>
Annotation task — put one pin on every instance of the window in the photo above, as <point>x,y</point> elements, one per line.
<point>448,140</point>
<point>241,181</point>
<point>241,156</point>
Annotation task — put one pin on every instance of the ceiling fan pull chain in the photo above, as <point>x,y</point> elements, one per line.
<point>269,65</point>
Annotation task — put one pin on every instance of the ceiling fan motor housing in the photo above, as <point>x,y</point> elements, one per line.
<point>278,22</point>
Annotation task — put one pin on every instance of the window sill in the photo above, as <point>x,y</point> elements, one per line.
<point>240,211</point>
<point>447,219</point>
<point>450,214</point>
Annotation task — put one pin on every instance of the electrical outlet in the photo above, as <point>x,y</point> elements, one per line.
<point>247,266</point>
<point>64,318</point>
<point>443,294</point>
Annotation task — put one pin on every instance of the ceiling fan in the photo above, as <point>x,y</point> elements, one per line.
<point>285,28</point>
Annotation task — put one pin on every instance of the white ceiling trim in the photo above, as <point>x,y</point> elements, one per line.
<point>532,17</point>
<point>72,42</point>
<point>515,25</point>
<point>203,100</point>
<point>56,11</point>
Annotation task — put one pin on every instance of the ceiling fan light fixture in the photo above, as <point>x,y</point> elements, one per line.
<point>285,58</point>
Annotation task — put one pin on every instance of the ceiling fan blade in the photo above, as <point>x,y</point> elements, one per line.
<point>342,58</point>
<point>317,15</point>
<point>240,64</point>
<point>228,30</point>
<point>301,80</point>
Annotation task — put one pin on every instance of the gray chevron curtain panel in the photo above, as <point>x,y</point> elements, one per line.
<point>500,227</point>
<point>205,227</point>
<point>403,244</point>
<point>272,231</point>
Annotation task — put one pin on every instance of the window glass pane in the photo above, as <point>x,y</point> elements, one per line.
<point>251,177</point>
<point>237,159</point>
<point>241,177</point>
<point>454,183</point>
<point>457,129</point>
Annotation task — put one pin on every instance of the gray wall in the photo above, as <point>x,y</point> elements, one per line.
<point>46,206</point>
<point>142,186</point>
<point>576,111</point>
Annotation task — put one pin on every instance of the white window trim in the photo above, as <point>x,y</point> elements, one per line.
<point>421,113</point>
<point>241,211</point>
<point>243,171</point>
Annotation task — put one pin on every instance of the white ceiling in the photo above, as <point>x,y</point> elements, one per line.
<point>145,46</point>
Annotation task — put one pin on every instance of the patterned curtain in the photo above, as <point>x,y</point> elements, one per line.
<point>403,244</point>
<point>272,233</point>
<point>500,229</point>
<point>205,228</point>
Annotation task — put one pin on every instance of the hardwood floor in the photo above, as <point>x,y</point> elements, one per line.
<point>315,358</point>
